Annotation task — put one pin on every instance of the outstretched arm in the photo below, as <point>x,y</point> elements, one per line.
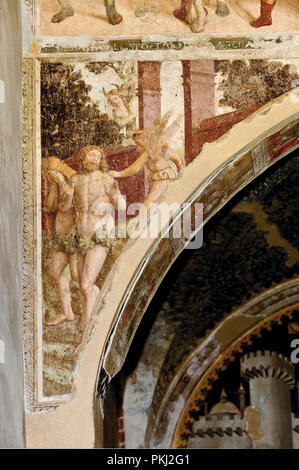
<point>132,169</point>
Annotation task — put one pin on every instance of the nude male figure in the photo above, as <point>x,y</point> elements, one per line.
<point>90,193</point>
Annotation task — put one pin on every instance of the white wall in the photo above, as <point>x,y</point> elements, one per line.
<point>11,227</point>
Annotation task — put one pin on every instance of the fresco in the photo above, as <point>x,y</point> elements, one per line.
<point>114,136</point>
<point>140,17</point>
<point>102,149</point>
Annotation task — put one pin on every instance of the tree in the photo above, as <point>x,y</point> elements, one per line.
<point>69,119</point>
<point>245,83</point>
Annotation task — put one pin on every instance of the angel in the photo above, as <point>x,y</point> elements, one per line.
<point>121,112</point>
<point>163,163</point>
<point>67,10</point>
<point>59,227</point>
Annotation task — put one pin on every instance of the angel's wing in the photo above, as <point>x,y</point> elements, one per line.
<point>172,129</point>
<point>150,138</point>
<point>128,90</point>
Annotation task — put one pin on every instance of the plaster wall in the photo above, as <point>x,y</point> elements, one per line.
<point>11,223</point>
<point>140,386</point>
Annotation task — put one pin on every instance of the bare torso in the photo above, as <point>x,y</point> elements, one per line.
<point>63,223</point>
<point>90,191</point>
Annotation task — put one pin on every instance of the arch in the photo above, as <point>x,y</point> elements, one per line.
<point>223,169</point>
<point>210,358</point>
<point>165,250</point>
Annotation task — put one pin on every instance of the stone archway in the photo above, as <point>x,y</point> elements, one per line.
<point>224,168</point>
<point>165,250</point>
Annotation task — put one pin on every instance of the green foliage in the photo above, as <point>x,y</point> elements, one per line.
<point>69,119</point>
<point>245,83</point>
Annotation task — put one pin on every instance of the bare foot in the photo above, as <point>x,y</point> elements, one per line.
<point>62,15</point>
<point>60,319</point>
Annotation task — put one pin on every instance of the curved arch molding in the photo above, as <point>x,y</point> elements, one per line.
<point>212,356</point>
<point>223,168</point>
<point>214,192</point>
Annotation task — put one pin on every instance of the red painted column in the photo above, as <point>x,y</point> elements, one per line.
<point>149,92</point>
<point>187,110</point>
<point>199,97</point>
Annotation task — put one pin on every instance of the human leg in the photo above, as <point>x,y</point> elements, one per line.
<point>181,12</point>
<point>93,263</point>
<point>66,10</point>
<point>113,16</point>
<point>265,18</point>
<point>56,273</point>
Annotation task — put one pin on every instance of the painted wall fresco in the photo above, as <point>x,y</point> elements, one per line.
<point>114,135</point>
<point>90,141</point>
<point>140,17</point>
<point>123,103</point>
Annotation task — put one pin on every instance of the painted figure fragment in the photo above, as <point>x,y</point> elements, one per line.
<point>81,228</point>
<point>191,11</point>
<point>59,226</point>
<point>171,16</point>
<point>163,163</point>
<point>196,15</point>
<point>67,10</point>
<point>265,18</point>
